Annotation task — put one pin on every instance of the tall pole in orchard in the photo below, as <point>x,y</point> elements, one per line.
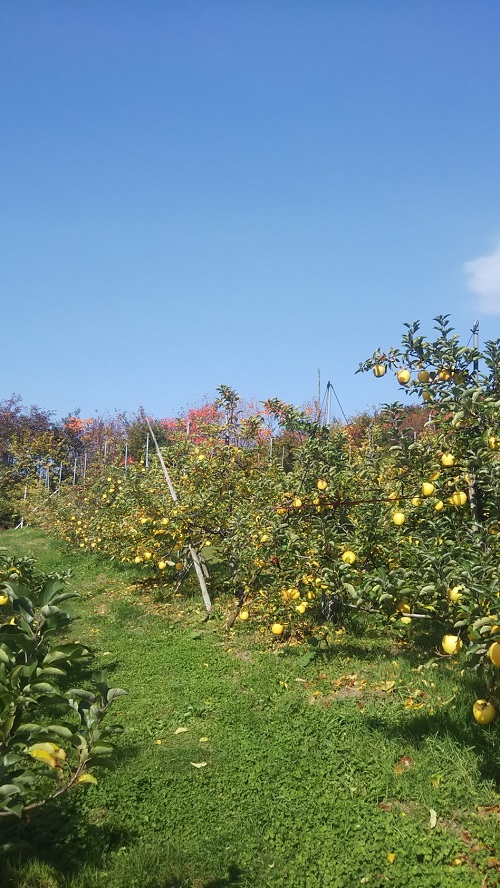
<point>328,404</point>
<point>473,494</point>
<point>475,345</point>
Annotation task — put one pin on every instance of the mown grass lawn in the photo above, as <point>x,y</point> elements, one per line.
<point>361,767</point>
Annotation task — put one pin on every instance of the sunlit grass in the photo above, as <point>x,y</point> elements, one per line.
<point>311,773</point>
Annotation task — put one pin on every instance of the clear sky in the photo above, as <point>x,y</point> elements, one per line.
<point>196,192</point>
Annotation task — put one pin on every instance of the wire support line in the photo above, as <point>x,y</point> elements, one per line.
<point>338,402</point>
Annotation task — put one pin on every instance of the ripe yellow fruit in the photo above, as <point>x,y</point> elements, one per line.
<point>300,608</point>
<point>444,374</point>
<point>403,607</point>
<point>322,484</point>
<point>438,505</point>
<point>483,712</point>
<point>277,629</point>
<point>405,620</point>
<point>493,443</point>
<point>137,559</point>
<point>148,556</point>
<point>416,501</point>
<point>426,395</point>
<point>448,459</point>
<point>348,557</point>
<point>164,520</point>
<point>294,594</point>
<point>427,488</point>
<point>455,594</point>
<point>494,653</point>
<point>403,376</point>
<point>451,644</point>
<point>423,376</point>
<point>179,565</point>
<point>297,502</point>
<point>459,498</point>
<point>244,615</point>
<point>162,565</point>
<point>379,370</point>
<point>3,599</point>
<point>398,518</point>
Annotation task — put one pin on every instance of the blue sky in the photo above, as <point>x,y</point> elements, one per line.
<point>195,193</point>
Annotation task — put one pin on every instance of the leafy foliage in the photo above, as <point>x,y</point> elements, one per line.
<point>50,735</point>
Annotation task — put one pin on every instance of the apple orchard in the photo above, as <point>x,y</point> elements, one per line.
<point>297,526</point>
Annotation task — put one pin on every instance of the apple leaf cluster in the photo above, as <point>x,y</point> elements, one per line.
<point>52,735</point>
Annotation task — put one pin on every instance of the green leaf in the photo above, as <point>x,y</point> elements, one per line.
<point>61,731</point>
<point>81,694</point>
<point>43,687</point>
<point>29,728</point>
<point>114,693</point>
<point>8,789</point>
<point>50,589</point>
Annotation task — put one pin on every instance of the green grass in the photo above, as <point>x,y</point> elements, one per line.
<point>314,772</point>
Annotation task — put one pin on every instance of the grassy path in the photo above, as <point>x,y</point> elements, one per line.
<point>322,774</point>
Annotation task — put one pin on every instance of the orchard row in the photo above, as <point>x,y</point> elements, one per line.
<point>405,527</point>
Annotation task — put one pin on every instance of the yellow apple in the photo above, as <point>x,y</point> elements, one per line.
<point>379,370</point>
<point>444,374</point>
<point>448,459</point>
<point>494,653</point>
<point>451,644</point>
<point>483,712</point>
<point>455,594</point>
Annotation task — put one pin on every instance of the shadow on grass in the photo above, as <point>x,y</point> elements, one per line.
<point>59,857</point>
<point>233,877</point>
<point>418,729</point>
<point>61,838</point>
